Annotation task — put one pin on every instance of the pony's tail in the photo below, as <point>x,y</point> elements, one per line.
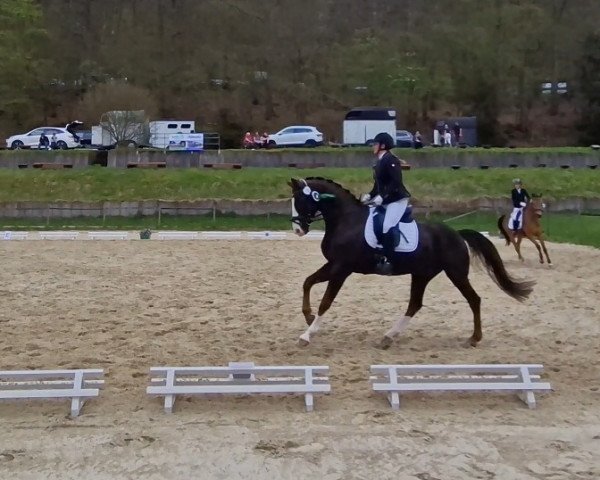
<point>502,231</point>
<point>485,250</point>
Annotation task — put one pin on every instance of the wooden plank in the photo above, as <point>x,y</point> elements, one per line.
<point>220,235</point>
<point>59,235</point>
<point>64,393</point>
<point>227,388</point>
<point>147,165</point>
<point>52,166</point>
<point>420,387</point>
<point>224,166</point>
<point>267,235</point>
<point>225,371</point>
<point>36,374</point>
<point>458,369</point>
<point>107,235</point>
<point>9,235</point>
<point>177,235</point>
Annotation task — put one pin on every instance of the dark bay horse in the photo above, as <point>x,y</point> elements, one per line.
<point>532,228</point>
<point>344,246</point>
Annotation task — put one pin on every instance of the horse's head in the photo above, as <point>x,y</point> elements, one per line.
<point>307,201</point>
<point>536,204</point>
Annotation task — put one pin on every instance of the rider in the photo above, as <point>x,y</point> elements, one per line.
<point>389,192</point>
<point>520,199</point>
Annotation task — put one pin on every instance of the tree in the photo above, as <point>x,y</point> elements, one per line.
<point>589,90</point>
<point>122,109</point>
<point>21,38</point>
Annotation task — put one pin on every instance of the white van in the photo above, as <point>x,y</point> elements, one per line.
<point>161,131</point>
<point>363,123</point>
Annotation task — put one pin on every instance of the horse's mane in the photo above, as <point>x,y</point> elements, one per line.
<point>337,185</point>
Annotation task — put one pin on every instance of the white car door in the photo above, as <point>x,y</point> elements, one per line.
<point>32,139</point>
<point>285,137</point>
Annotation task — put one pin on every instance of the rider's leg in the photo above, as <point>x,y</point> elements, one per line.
<point>393,213</point>
<point>515,219</point>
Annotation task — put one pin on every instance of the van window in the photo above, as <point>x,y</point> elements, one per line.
<point>186,125</point>
<point>172,125</point>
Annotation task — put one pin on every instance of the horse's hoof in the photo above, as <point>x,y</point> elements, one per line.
<point>550,265</point>
<point>310,318</point>
<point>471,342</point>
<point>302,342</point>
<point>386,342</point>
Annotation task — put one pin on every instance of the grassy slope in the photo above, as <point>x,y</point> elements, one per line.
<point>97,184</point>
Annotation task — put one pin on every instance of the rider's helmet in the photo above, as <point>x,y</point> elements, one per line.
<point>385,141</point>
<point>517,181</point>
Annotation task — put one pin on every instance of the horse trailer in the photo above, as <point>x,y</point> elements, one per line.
<point>363,123</point>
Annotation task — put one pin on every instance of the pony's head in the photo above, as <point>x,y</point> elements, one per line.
<point>536,204</point>
<point>306,205</point>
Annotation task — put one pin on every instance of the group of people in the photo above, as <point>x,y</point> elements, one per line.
<point>46,143</point>
<point>255,141</point>
<point>444,136</point>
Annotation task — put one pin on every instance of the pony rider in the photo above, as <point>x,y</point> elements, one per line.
<point>520,199</point>
<point>389,192</point>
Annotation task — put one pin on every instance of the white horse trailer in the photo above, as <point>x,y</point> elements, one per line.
<point>362,124</point>
<point>161,130</point>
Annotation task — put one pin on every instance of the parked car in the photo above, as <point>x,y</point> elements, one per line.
<point>404,139</point>
<point>296,136</point>
<point>64,137</point>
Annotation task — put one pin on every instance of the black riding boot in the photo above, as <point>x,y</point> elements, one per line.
<point>390,240</point>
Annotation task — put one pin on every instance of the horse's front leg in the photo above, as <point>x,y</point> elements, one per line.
<point>336,281</point>
<point>541,238</point>
<point>537,246</point>
<point>320,276</point>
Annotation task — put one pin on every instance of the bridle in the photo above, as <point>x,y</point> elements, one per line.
<point>303,220</point>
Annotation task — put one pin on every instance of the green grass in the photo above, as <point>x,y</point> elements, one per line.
<point>578,229</point>
<point>101,184</point>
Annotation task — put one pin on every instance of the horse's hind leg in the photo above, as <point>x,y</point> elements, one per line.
<point>462,283</point>
<point>417,290</point>
<point>333,287</point>
<point>518,238</point>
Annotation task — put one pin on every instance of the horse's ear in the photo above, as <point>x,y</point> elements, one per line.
<point>293,183</point>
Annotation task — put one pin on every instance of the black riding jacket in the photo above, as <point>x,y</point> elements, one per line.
<point>518,197</point>
<point>387,174</point>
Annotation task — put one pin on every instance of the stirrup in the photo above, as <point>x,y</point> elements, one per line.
<point>384,268</point>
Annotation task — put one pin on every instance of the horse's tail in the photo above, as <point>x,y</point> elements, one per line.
<point>489,256</point>
<point>502,231</point>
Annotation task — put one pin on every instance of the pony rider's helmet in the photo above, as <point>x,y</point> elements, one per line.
<point>517,181</point>
<point>385,141</point>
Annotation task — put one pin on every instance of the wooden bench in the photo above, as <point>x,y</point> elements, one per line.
<point>52,166</point>
<point>59,235</point>
<point>77,385</point>
<point>236,379</point>
<point>148,165</point>
<point>224,166</point>
<point>107,235</point>
<point>393,379</point>
<point>176,235</point>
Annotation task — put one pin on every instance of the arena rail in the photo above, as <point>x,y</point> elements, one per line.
<point>78,385</point>
<point>521,378</point>
<point>107,235</point>
<point>238,378</point>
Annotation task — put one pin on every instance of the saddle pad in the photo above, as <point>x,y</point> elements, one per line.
<point>409,238</point>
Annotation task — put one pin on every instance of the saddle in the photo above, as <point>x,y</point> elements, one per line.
<point>406,233</point>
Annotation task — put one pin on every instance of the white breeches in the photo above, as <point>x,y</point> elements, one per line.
<point>393,213</point>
